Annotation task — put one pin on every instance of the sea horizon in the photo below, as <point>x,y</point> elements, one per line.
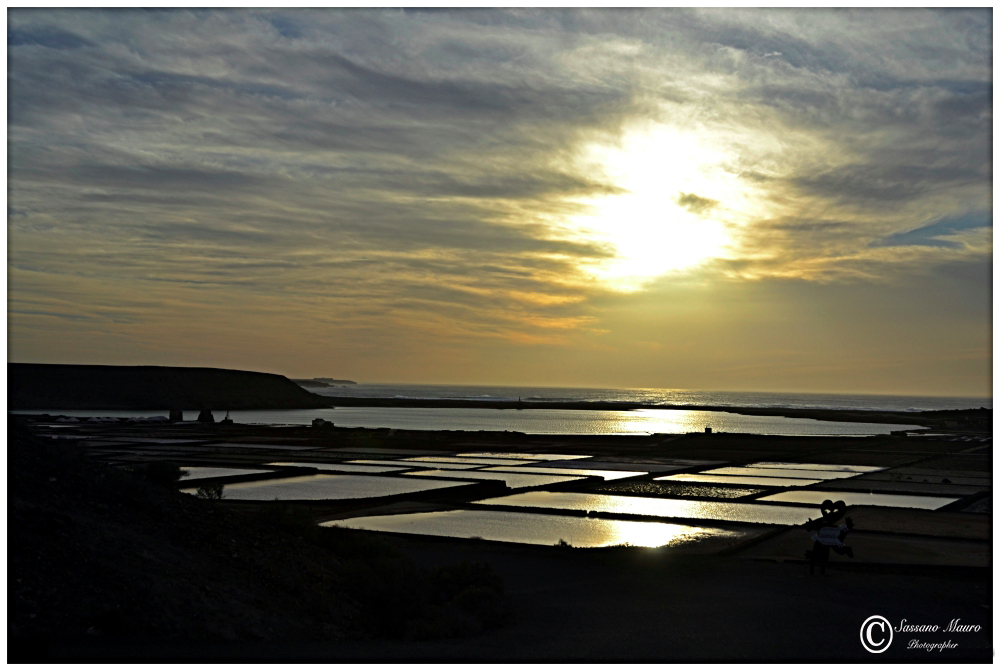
<point>665,396</point>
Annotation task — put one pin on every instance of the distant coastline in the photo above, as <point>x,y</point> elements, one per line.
<point>322,382</point>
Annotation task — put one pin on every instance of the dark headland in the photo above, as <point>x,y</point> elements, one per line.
<point>32,386</point>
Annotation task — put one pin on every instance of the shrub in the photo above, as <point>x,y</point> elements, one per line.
<point>210,492</point>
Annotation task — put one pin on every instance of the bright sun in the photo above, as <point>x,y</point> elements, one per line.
<point>674,211</point>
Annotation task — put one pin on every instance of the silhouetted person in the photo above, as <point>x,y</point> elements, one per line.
<point>829,536</point>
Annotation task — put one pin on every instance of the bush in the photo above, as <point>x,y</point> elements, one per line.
<point>210,492</point>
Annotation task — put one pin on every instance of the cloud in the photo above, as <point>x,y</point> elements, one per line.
<point>695,203</point>
<point>49,38</point>
<point>424,167</point>
<point>940,233</point>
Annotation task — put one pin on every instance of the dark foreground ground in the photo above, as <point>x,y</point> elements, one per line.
<point>633,605</point>
<point>108,566</point>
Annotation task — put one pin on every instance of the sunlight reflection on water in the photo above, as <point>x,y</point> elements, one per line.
<point>674,490</point>
<point>538,529</point>
<point>535,421</point>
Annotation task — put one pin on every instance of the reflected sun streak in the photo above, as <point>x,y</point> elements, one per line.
<point>537,529</point>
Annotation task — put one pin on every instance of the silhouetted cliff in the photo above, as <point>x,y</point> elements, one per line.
<point>69,387</point>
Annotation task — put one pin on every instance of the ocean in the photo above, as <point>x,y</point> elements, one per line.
<point>745,399</point>
<point>587,422</point>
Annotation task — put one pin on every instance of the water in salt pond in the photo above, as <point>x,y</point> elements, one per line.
<point>330,487</point>
<point>538,529</point>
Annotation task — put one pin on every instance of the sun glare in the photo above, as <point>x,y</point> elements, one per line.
<point>674,210</point>
<point>650,534</point>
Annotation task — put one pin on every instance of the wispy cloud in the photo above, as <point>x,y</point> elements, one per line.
<point>425,169</point>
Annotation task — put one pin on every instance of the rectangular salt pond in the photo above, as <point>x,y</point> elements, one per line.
<point>818,467</point>
<point>467,460</point>
<point>329,487</point>
<point>704,490</point>
<point>640,505</point>
<point>522,455</point>
<point>782,472</point>
<point>862,499</point>
<point>411,464</point>
<point>607,475</point>
<point>200,472</point>
<point>538,529</point>
<point>346,468</point>
<point>738,480</point>
<point>512,480</point>
<point>617,466</point>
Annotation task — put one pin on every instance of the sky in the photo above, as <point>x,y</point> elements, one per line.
<point>719,199</point>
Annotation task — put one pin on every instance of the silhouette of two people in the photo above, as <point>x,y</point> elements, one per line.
<point>829,535</point>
